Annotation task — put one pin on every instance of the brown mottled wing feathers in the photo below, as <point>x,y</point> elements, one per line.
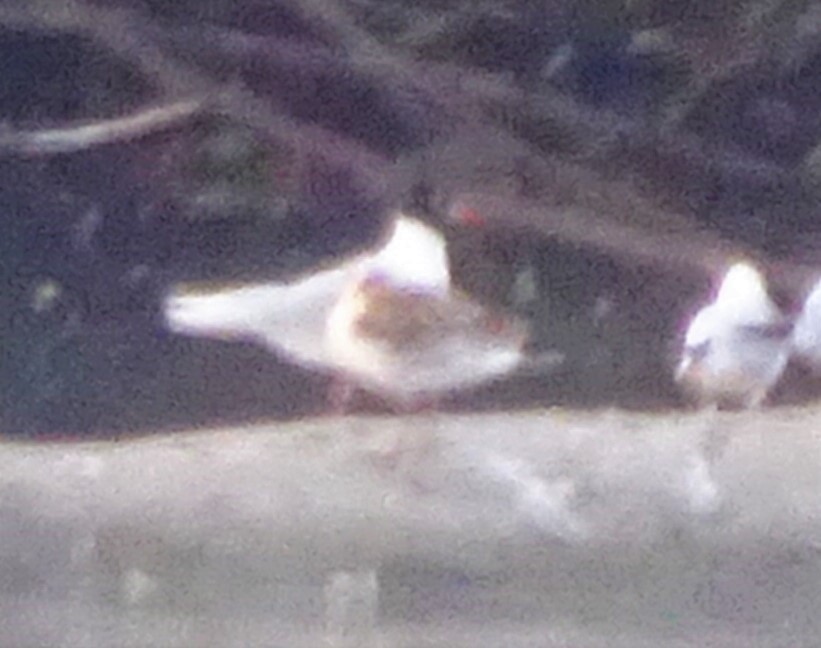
<point>403,318</point>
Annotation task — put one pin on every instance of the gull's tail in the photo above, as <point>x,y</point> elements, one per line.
<point>228,314</point>
<point>288,317</point>
<point>414,253</point>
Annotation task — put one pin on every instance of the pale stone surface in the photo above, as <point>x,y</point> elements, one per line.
<point>539,528</point>
<point>351,607</point>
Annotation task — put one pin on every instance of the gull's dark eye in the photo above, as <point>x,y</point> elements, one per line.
<point>698,351</point>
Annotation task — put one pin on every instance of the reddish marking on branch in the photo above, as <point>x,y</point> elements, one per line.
<point>468,216</point>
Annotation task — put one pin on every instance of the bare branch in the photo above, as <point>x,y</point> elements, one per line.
<point>76,137</point>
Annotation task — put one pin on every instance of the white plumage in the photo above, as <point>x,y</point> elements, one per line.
<point>807,334</point>
<point>388,320</point>
<point>737,347</point>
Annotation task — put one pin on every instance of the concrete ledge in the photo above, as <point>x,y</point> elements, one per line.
<point>683,527</point>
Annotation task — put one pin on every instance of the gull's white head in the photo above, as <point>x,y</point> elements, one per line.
<point>415,255</point>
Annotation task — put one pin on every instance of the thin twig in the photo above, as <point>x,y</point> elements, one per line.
<point>76,137</point>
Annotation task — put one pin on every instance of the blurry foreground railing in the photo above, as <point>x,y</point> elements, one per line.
<point>522,529</point>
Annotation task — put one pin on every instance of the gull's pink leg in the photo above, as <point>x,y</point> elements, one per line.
<point>340,394</point>
<point>411,443</point>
